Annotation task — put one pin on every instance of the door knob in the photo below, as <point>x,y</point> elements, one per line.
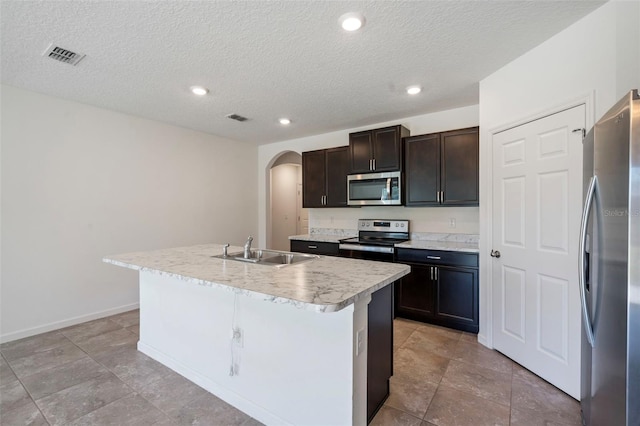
<point>495,253</point>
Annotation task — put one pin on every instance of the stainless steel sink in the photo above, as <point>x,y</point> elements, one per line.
<point>270,257</point>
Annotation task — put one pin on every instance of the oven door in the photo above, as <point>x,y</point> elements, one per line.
<point>358,251</point>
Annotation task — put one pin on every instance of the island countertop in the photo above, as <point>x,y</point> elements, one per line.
<point>326,284</point>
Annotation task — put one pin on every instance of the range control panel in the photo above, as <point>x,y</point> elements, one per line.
<point>383,225</point>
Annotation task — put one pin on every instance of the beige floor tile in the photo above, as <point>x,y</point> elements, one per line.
<point>209,410</point>
<point>172,392</point>
<point>108,340</point>
<point>61,377</point>
<point>389,416</point>
<point>403,322</point>
<point>410,365</point>
<point>476,354</point>
<point>479,381</point>
<point>127,319</point>
<point>412,397</point>
<point>428,340</point>
<point>527,417</point>
<point>44,360</point>
<point>6,373</point>
<point>400,334</point>
<point>12,396</point>
<point>27,414</point>
<point>529,391</point>
<point>431,329</point>
<point>33,345</point>
<point>132,410</point>
<point>469,337</point>
<point>89,329</point>
<point>135,329</point>
<point>71,403</point>
<point>451,407</point>
<point>132,366</point>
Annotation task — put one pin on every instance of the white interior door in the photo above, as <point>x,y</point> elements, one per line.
<point>537,200</point>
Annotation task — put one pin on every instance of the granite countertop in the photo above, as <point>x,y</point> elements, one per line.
<point>440,245</point>
<point>469,246</point>
<point>326,284</point>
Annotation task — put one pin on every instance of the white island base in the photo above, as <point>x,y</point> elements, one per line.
<point>295,366</point>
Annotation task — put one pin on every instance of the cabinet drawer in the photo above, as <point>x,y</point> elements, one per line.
<point>437,257</point>
<point>329,249</point>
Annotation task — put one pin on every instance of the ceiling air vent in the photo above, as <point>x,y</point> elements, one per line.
<point>63,55</point>
<point>237,117</point>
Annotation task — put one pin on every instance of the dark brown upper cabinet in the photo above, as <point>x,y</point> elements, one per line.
<point>377,150</point>
<point>442,168</point>
<point>324,177</point>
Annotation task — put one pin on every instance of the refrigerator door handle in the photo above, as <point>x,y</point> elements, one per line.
<point>591,191</point>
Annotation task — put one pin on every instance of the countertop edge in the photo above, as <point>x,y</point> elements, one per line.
<point>320,308</point>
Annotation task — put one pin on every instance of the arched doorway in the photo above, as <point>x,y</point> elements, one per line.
<point>285,215</point>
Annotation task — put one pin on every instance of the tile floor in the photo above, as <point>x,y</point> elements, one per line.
<point>92,374</point>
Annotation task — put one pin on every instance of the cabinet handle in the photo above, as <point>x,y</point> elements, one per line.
<point>437,196</point>
<point>442,196</point>
<point>433,257</point>
<point>374,164</point>
<point>436,268</point>
<point>312,247</point>
<point>431,270</point>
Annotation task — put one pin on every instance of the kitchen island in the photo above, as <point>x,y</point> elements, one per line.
<point>286,345</point>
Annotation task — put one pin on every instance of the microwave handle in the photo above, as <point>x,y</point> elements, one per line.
<point>389,188</point>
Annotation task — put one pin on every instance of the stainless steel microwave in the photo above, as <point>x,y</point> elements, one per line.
<point>375,189</point>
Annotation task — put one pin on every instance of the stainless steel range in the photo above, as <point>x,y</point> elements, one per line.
<point>376,239</point>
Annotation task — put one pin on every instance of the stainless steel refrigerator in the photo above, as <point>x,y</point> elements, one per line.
<point>610,268</point>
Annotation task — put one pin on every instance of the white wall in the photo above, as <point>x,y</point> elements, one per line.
<point>80,182</point>
<point>597,58</point>
<point>423,219</point>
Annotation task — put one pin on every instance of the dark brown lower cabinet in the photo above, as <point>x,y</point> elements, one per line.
<point>442,290</point>
<point>379,349</point>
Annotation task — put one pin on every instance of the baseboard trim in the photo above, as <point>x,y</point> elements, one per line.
<point>28,332</point>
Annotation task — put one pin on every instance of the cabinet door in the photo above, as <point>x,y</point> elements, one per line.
<point>457,296</point>
<point>360,151</point>
<point>387,149</point>
<point>313,178</point>
<point>337,169</point>
<point>415,294</point>
<point>460,167</point>
<point>422,169</point>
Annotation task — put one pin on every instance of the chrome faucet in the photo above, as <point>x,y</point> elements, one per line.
<point>224,250</point>
<point>247,248</point>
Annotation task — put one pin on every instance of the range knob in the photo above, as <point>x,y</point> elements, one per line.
<point>402,225</point>
<point>396,225</point>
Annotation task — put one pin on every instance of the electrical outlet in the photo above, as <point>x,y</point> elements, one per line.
<point>237,337</point>
<point>359,341</point>
<point>452,222</point>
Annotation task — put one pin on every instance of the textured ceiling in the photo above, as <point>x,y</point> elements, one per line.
<point>265,60</point>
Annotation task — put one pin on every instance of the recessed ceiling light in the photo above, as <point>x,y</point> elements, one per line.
<point>414,90</point>
<point>199,90</point>
<point>351,21</point>
<point>284,121</point>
